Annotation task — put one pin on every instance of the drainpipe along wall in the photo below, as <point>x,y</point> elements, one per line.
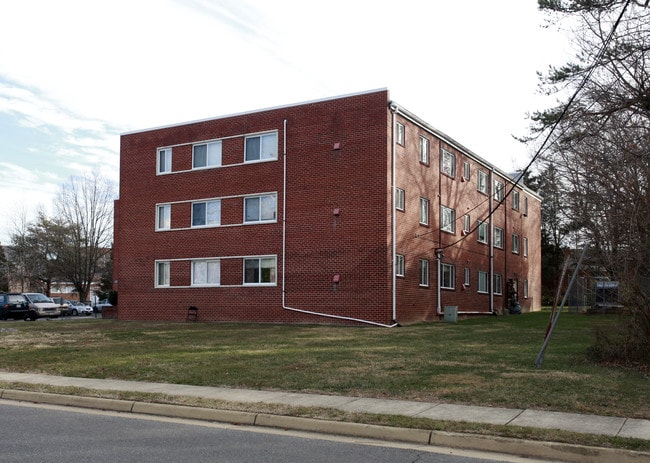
<point>284,251</point>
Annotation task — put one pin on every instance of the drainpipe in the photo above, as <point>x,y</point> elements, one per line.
<point>439,256</point>
<point>284,251</point>
<point>491,246</point>
<point>393,109</point>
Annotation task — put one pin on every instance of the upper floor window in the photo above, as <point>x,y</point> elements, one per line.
<point>399,265</point>
<point>424,211</point>
<point>498,190</point>
<point>424,272</point>
<point>448,163</point>
<point>261,147</point>
<point>525,247</point>
<point>401,134</point>
<point>424,150</point>
<point>206,155</point>
<point>164,162</point>
<point>482,232</point>
<point>206,213</point>
<point>447,219</point>
<point>447,276</point>
<point>206,272</point>
<point>399,199</point>
<point>466,223</point>
<point>525,206</point>
<point>466,170</point>
<point>498,237</point>
<point>515,243</point>
<point>482,181</point>
<point>260,270</point>
<point>466,278</point>
<point>164,219</point>
<point>260,208</point>
<point>515,200</point>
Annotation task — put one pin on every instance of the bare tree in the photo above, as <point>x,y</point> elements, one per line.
<point>85,206</point>
<point>600,142</point>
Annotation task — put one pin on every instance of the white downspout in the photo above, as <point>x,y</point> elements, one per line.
<point>491,246</point>
<point>394,109</point>
<point>284,250</point>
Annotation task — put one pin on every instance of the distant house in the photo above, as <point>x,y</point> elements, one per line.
<point>346,210</point>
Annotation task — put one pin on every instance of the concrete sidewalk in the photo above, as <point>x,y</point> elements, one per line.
<point>588,424</point>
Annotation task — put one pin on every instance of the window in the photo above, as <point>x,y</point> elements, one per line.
<point>466,223</point>
<point>525,206</point>
<point>206,272</point>
<point>424,272</point>
<point>164,160</point>
<point>206,213</point>
<point>401,136</point>
<point>525,247</point>
<point>162,274</point>
<point>448,163</point>
<point>466,171</point>
<point>466,277</point>
<point>482,182</point>
<point>424,211</point>
<point>399,199</point>
<point>206,155</point>
<point>259,271</point>
<point>447,276</point>
<point>515,200</point>
<point>164,219</point>
<point>399,265</point>
<point>482,282</point>
<point>498,190</point>
<point>260,208</point>
<point>424,150</point>
<point>447,219</point>
<point>525,289</point>
<point>482,232</point>
<point>498,237</point>
<point>515,243</point>
<point>498,280</point>
<point>261,147</point>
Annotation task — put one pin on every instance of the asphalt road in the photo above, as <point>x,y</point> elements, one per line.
<point>40,434</point>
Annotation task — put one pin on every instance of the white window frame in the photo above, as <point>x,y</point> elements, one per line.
<point>447,163</point>
<point>164,161</point>
<point>525,289</point>
<point>267,149</point>
<point>447,276</point>
<point>467,172</point>
<point>400,199</point>
<point>525,247</point>
<point>163,217</point>
<point>498,237</point>
<point>498,284</point>
<point>399,265</point>
<point>499,188</point>
<point>515,200</point>
<point>447,219</point>
<point>267,208</point>
<point>206,272</point>
<point>401,134</point>
<point>482,282</point>
<point>424,150</point>
<point>424,273</point>
<point>466,277</point>
<point>515,243</point>
<point>467,223</point>
<point>211,216</point>
<point>525,206</point>
<point>262,263</point>
<point>162,274</point>
<point>482,182</point>
<point>212,155</point>
<point>424,211</point>
<point>482,232</point>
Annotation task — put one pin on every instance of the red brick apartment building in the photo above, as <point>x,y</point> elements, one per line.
<point>348,210</point>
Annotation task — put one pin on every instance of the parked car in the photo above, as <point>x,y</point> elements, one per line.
<point>13,305</point>
<point>64,305</point>
<point>79,308</point>
<point>99,305</point>
<point>41,306</point>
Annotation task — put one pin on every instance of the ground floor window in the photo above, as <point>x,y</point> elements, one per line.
<point>424,272</point>
<point>258,271</point>
<point>482,282</point>
<point>447,276</point>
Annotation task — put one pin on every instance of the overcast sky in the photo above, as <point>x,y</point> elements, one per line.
<point>75,74</point>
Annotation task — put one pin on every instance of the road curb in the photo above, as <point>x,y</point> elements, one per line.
<point>524,448</point>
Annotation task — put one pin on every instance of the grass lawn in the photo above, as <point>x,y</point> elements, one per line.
<point>481,361</point>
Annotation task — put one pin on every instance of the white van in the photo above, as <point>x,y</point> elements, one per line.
<point>41,306</point>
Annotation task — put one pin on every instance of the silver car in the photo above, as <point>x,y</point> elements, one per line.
<point>79,308</point>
